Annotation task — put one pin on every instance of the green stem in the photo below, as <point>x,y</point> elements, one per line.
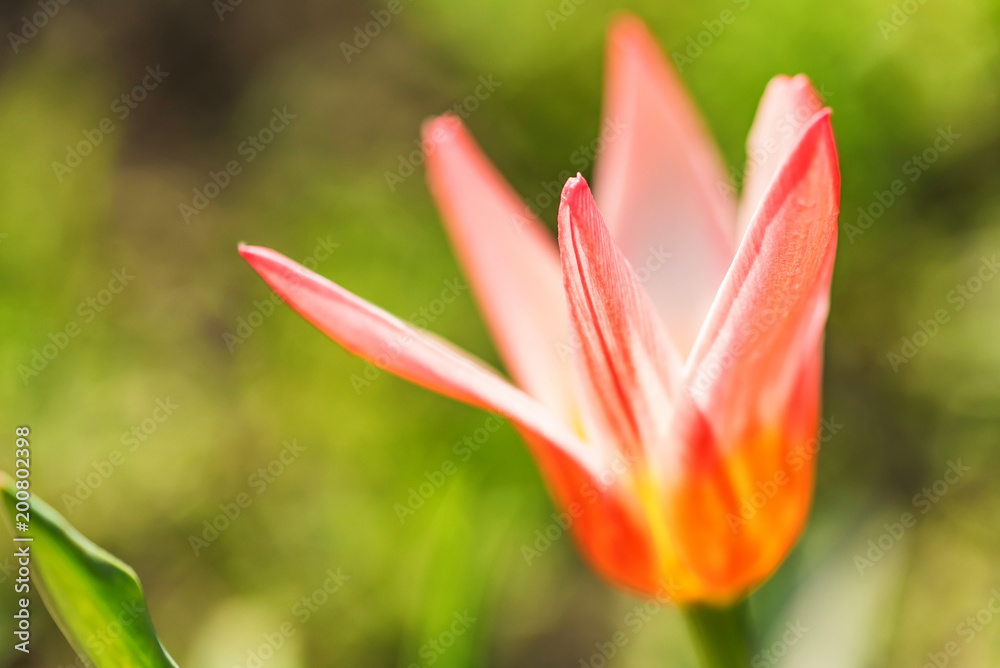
<point>723,637</point>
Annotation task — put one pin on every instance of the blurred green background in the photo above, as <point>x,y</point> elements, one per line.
<point>895,73</point>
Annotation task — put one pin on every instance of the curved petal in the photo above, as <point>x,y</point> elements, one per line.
<point>591,491</point>
<point>785,111</point>
<point>660,183</point>
<point>627,357</point>
<point>510,260</point>
<point>775,271</point>
<point>606,520</point>
<point>753,382</point>
<point>374,335</point>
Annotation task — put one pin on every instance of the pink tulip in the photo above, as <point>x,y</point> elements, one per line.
<point>666,354</point>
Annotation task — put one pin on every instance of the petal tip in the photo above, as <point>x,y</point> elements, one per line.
<point>624,23</point>
<point>247,251</point>
<point>442,129</point>
<point>627,30</point>
<point>794,79</point>
<point>795,87</point>
<point>263,260</point>
<point>576,186</point>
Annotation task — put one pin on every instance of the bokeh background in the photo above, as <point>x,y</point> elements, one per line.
<point>896,74</point>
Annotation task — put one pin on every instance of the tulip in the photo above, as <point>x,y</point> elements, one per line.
<point>665,354</point>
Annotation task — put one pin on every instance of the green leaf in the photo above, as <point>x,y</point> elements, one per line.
<point>94,597</point>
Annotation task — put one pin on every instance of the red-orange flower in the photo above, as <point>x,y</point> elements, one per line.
<point>667,353</point>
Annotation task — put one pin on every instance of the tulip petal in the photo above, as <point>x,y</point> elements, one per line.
<point>776,274</point>
<point>753,381</point>
<point>510,259</point>
<point>660,182</point>
<point>785,111</point>
<point>592,493</point>
<point>422,358</point>
<point>629,362</point>
<point>607,521</point>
